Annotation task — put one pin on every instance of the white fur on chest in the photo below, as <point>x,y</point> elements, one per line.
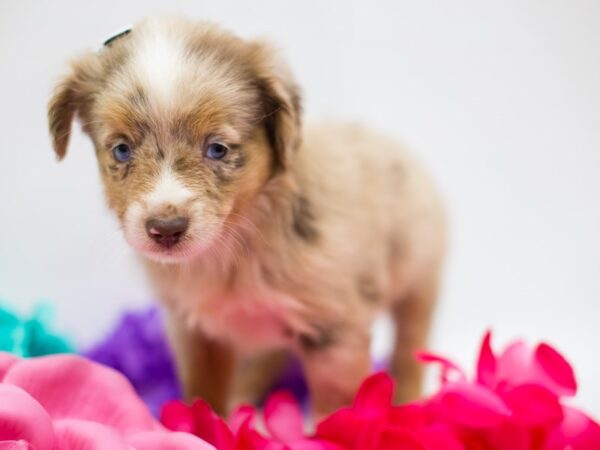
<point>251,319</point>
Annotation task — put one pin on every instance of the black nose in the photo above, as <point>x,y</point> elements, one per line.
<point>167,232</point>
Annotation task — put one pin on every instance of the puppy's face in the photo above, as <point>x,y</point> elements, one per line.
<point>188,122</point>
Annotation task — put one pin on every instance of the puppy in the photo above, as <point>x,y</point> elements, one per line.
<point>260,236</point>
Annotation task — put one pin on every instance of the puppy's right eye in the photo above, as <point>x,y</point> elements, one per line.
<point>122,152</point>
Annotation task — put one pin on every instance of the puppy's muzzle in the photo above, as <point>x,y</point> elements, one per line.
<point>167,232</point>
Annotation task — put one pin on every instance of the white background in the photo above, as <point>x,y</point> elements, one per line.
<point>501,100</point>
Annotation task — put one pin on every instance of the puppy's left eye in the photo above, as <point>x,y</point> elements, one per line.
<point>122,152</point>
<point>216,151</point>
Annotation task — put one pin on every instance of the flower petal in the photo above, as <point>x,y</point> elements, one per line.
<point>533,405</point>
<point>450,371</point>
<point>472,405</point>
<point>510,435</point>
<point>15,445</point>
<point>74,434</point>
<point>307,444</point>
<point>6,360</point>
<point>514,364</point>
<point>439,437</point>
<point>283,417</point>
<point>69,386</point>
<point>243,414</point>
<point>577,432</point>
<point>559,376</point>
<point>177,416</point>
<point>410,416</point>
<point>398,439</point>
<point>23,418</point>
<point>374,396</point>
<point>210,426</point>
<point>249,439</point>
<point>486,364</point>
<point>341,427</point>
<point>160,440</point>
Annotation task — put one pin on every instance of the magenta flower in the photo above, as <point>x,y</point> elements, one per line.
<point>198,419</point>
<point>373,423</point>
<point>514,403</point>
<point>282,419</point>
<point>64,402</point>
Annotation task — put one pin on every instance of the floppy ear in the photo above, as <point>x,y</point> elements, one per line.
<point>281,102</point>
<point>67,100</point>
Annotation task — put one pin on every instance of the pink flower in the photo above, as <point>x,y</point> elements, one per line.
<point>64,402</point>
<point>519,365</point>
<point>373,423</point>
<point>514,403</point>
<point>199,420</point>
<point>282,419</point>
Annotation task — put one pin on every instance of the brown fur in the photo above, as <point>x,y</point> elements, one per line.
<point>301,237</point>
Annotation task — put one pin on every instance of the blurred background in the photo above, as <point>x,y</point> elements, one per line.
<point>500,100</point>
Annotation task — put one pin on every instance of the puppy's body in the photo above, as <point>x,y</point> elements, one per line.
<point>296,239</point>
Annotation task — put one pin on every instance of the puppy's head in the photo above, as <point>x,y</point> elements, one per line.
<point>188,122</point>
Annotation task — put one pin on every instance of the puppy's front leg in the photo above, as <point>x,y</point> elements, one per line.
<point>205,366</point>
<point>335,364</point>
<point>256,374</point>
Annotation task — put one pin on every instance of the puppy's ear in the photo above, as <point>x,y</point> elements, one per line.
<point>69,98</point>
<point>281,102</point>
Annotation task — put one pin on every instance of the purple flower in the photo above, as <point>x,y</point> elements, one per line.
<point>137,348</point>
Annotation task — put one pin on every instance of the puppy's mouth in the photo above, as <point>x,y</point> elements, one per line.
<point>178,253</point>
<point>164,240</point>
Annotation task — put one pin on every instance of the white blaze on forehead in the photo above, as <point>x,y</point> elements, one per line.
<point>168,190</point>
<point>159,62</point>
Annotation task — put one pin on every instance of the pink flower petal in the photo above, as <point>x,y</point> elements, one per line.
<point>559,375</point>
<point>510,436</point>
<point>15,445</point>
<point>243,414</point>
<point>69,386</point>
<point>472,405</point>
<point>283,417</point>
<point>160,440</point>
<point>374,395</point>
<point>407,416</point>
<point>6,360</point>
<point>23,418</point>
<point>306,444</point>
<point>352,429</point>
<point>341,427</point>
<point>74,434</point>
<point>210,426</point>
<point>398,439</point>
<point>533,405</point>
<point>439,437</point>
<point>514,364</point>
<point>249,439</point>
<point>486,364</point>
<point>450,371</point>
<point>177,416</point>
<point>576,432</point>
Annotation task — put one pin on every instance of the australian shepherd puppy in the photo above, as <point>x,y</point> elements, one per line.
<point>261,236</point>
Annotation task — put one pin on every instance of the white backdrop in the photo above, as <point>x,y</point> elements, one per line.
<point>500,99</point>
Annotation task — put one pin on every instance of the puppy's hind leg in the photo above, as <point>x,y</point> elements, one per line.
<point>412,318</point>
<point>335,366</point>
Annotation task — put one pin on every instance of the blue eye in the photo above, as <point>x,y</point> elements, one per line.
<point>216,151</point>
<point>122,152</point>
